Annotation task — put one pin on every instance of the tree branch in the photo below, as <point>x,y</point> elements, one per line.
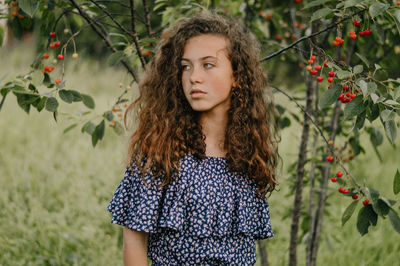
<point>105,38</point>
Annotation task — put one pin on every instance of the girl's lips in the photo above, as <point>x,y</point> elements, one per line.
<point>197,93</point>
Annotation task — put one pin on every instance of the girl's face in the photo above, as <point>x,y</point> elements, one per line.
<point>207,75</point>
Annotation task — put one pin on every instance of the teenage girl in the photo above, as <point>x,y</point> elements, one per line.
<point>204,153</point>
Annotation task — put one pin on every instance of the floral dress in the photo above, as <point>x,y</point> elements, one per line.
<point>206,216</point>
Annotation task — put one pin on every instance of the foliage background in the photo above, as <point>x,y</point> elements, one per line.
<point>55,187</point>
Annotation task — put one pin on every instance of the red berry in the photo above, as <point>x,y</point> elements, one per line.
<point>318,67</point>
<point>330,86</point>
<point>341,96</point>
<point>320,79</point>
<point>365,202</point>
<point>52,34</point>
<point>356,23</point>
<point>334,179</point>
<point>57,43</point>
<point>361,33</point>
<point>45,56</point>
<point>330,80</point>
<point>331,74</point>
<point>60,56</point>
<point>326,64</point>
<point>367,32</point>
<point>329,158</point>
<point>352,96</point>
<point>52,45</point>
<point>278,37</point>
<point>310,62</point>
<point>348,94</point>
<point>346,191</point>
<point>46,68</point>
<point>339,174</point>
<point>341,189</point>
<point>313,58</point>
<point>355,196</point>
<point>353,36</point>
<point>345,87</point>
<point>313,72</point>
<point>58,81</point>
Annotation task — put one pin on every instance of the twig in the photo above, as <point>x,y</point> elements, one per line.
<point>147,17</point>
<point>106,40</point>
<point>308,37</point>
<point>134,33</point>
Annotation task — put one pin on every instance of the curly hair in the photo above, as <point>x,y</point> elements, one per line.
<point>167,126</point>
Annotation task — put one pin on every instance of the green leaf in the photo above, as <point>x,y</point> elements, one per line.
<point>358,69</point>
<point>348,3</point>
<point>321,13</point>
<point>28,6</point>
<point>372,194</point>
<point>376,137</point>
<point>69,128</point>
<point>41,104</point>
<point>342,74</point>
<point>315,3</point>
<point>88,127</point>
<point>330,96</point>
<point>108,115</point>
<point>349,212</point>
<point>37,77</point>
<point>363,58</point>
<point>391,130</point>
<point>381,208</point>
<point>353,108</point>
<point>118,128</point>
<point>114,58</point>
<point>366,218</point>
<point>88,101</point>
<point>66,96</point>
<point>51,104</point>
<point>76,96</point>
<point>98,133</point>
<point>387,115</point>
<point>394,220</point>
<point>396,15</point>
<point>396,182</point>
<point>377,9</point>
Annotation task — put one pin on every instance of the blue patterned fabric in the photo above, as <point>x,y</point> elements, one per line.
<point>205,216</point>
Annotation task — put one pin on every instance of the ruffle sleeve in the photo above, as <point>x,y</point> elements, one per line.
<point>206,200</point>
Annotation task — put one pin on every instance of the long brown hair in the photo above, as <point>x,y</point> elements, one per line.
<point>168,128</point>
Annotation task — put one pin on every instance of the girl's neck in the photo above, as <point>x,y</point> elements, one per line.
<point>213,127</point>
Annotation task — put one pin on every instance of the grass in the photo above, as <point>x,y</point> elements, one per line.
<point>54,187</point>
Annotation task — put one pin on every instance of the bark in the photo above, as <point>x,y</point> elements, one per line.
<point>302,158</point>
<point>315,237</point>
<point>263,252</point>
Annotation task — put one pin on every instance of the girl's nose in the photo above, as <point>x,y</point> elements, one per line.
<point>196,75</point>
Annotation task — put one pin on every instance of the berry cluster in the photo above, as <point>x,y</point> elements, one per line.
<point>339,175</point>
<point>52,45</point>
<point>346,95</point>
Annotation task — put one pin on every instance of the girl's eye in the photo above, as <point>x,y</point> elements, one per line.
<point>208,65</point>
<point>185,67</point>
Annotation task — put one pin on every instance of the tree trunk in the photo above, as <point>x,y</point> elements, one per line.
<point>263,252</point>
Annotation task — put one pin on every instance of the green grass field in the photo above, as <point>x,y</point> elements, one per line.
<point>54,187</point>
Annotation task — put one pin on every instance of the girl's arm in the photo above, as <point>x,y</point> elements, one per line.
<point>135,247</point>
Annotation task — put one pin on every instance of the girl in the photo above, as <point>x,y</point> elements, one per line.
<point>204,154</point>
